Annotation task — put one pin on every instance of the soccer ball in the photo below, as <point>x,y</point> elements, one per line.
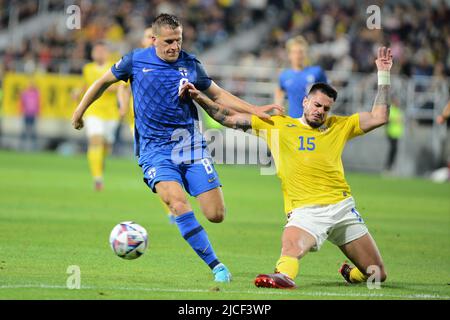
<point>128,240</point>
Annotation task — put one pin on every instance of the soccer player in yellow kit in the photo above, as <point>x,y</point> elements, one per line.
<point>102,119</point>
<point>318,201</point>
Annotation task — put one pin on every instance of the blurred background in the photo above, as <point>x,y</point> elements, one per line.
<point>242,45</point>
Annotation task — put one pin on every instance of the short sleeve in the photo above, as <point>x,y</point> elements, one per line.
<point>352,126</point>
<point>265,125</point>
<point>322,76</point>
<point>203,81</point>
<point>281,81</point>
<point>123,68</point>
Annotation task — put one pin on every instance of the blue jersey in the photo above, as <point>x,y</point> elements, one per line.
<point>295,84</point>
<point>163,121</point>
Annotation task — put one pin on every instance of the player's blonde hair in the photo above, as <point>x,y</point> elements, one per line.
<point>300,40</point>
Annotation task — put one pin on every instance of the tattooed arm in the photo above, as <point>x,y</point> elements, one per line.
<point>225,116</point>
<point>380,110</point>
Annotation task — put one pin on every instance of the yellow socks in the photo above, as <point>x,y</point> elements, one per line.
<point>96,157</point>
<point>288,266</point>
<point>357,276</point>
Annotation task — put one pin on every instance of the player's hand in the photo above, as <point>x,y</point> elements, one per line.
<point>266,111</point>
<point>384,59</point>
<point>77,121</point>
<point>189,90</point>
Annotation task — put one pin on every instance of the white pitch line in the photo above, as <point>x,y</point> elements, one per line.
<point>258,292</point>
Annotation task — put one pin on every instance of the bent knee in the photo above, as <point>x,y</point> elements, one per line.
<point>216,214</point>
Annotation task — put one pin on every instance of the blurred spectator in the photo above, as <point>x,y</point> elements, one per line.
<point>119,23</point>
<point>394,131</point>
<point>417,31</point>
<point>30,107</point>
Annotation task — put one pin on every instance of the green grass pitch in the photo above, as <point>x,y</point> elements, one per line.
<point>50,219</point>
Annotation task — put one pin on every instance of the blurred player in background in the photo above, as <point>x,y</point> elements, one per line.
<point>102,119</point>
<point>318,202</point>
<point>126,108</point>
<point>30,107</point>
<point>171,150</point>
<point>148,38</point>
<point>295,82</point>
<point>394,132</point>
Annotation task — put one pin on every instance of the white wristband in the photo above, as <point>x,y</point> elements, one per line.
<point>384,78</point>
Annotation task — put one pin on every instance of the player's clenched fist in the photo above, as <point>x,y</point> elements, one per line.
<point>77,121</point>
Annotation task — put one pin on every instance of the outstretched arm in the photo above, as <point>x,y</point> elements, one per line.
<point>380,110</point>
<point>93,93</point>
<point>230,101</point>
<point>225,116</point>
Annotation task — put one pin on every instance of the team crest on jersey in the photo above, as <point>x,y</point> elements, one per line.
<point>183,71</point>
<point>291,125</point>
<point>151,173</point>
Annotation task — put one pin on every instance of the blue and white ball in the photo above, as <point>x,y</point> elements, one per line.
<point>128,240</point>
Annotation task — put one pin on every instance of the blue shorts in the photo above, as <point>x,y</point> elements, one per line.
<point>196,178</point>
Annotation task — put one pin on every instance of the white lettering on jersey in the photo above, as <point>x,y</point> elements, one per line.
<point>183,81</point>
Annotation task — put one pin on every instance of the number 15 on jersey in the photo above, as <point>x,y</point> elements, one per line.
<point>307,143</point>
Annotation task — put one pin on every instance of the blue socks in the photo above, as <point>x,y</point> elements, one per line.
<point>197,238</point>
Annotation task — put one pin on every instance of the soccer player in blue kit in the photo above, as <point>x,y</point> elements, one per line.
<point>171,150</point>
<point>294,83</point>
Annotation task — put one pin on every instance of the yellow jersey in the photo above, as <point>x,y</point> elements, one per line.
<point>105,107</point>
<point>308,160</point>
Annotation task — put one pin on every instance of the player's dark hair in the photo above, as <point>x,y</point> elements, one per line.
<point>325,88</point>
<point>165,19</point>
